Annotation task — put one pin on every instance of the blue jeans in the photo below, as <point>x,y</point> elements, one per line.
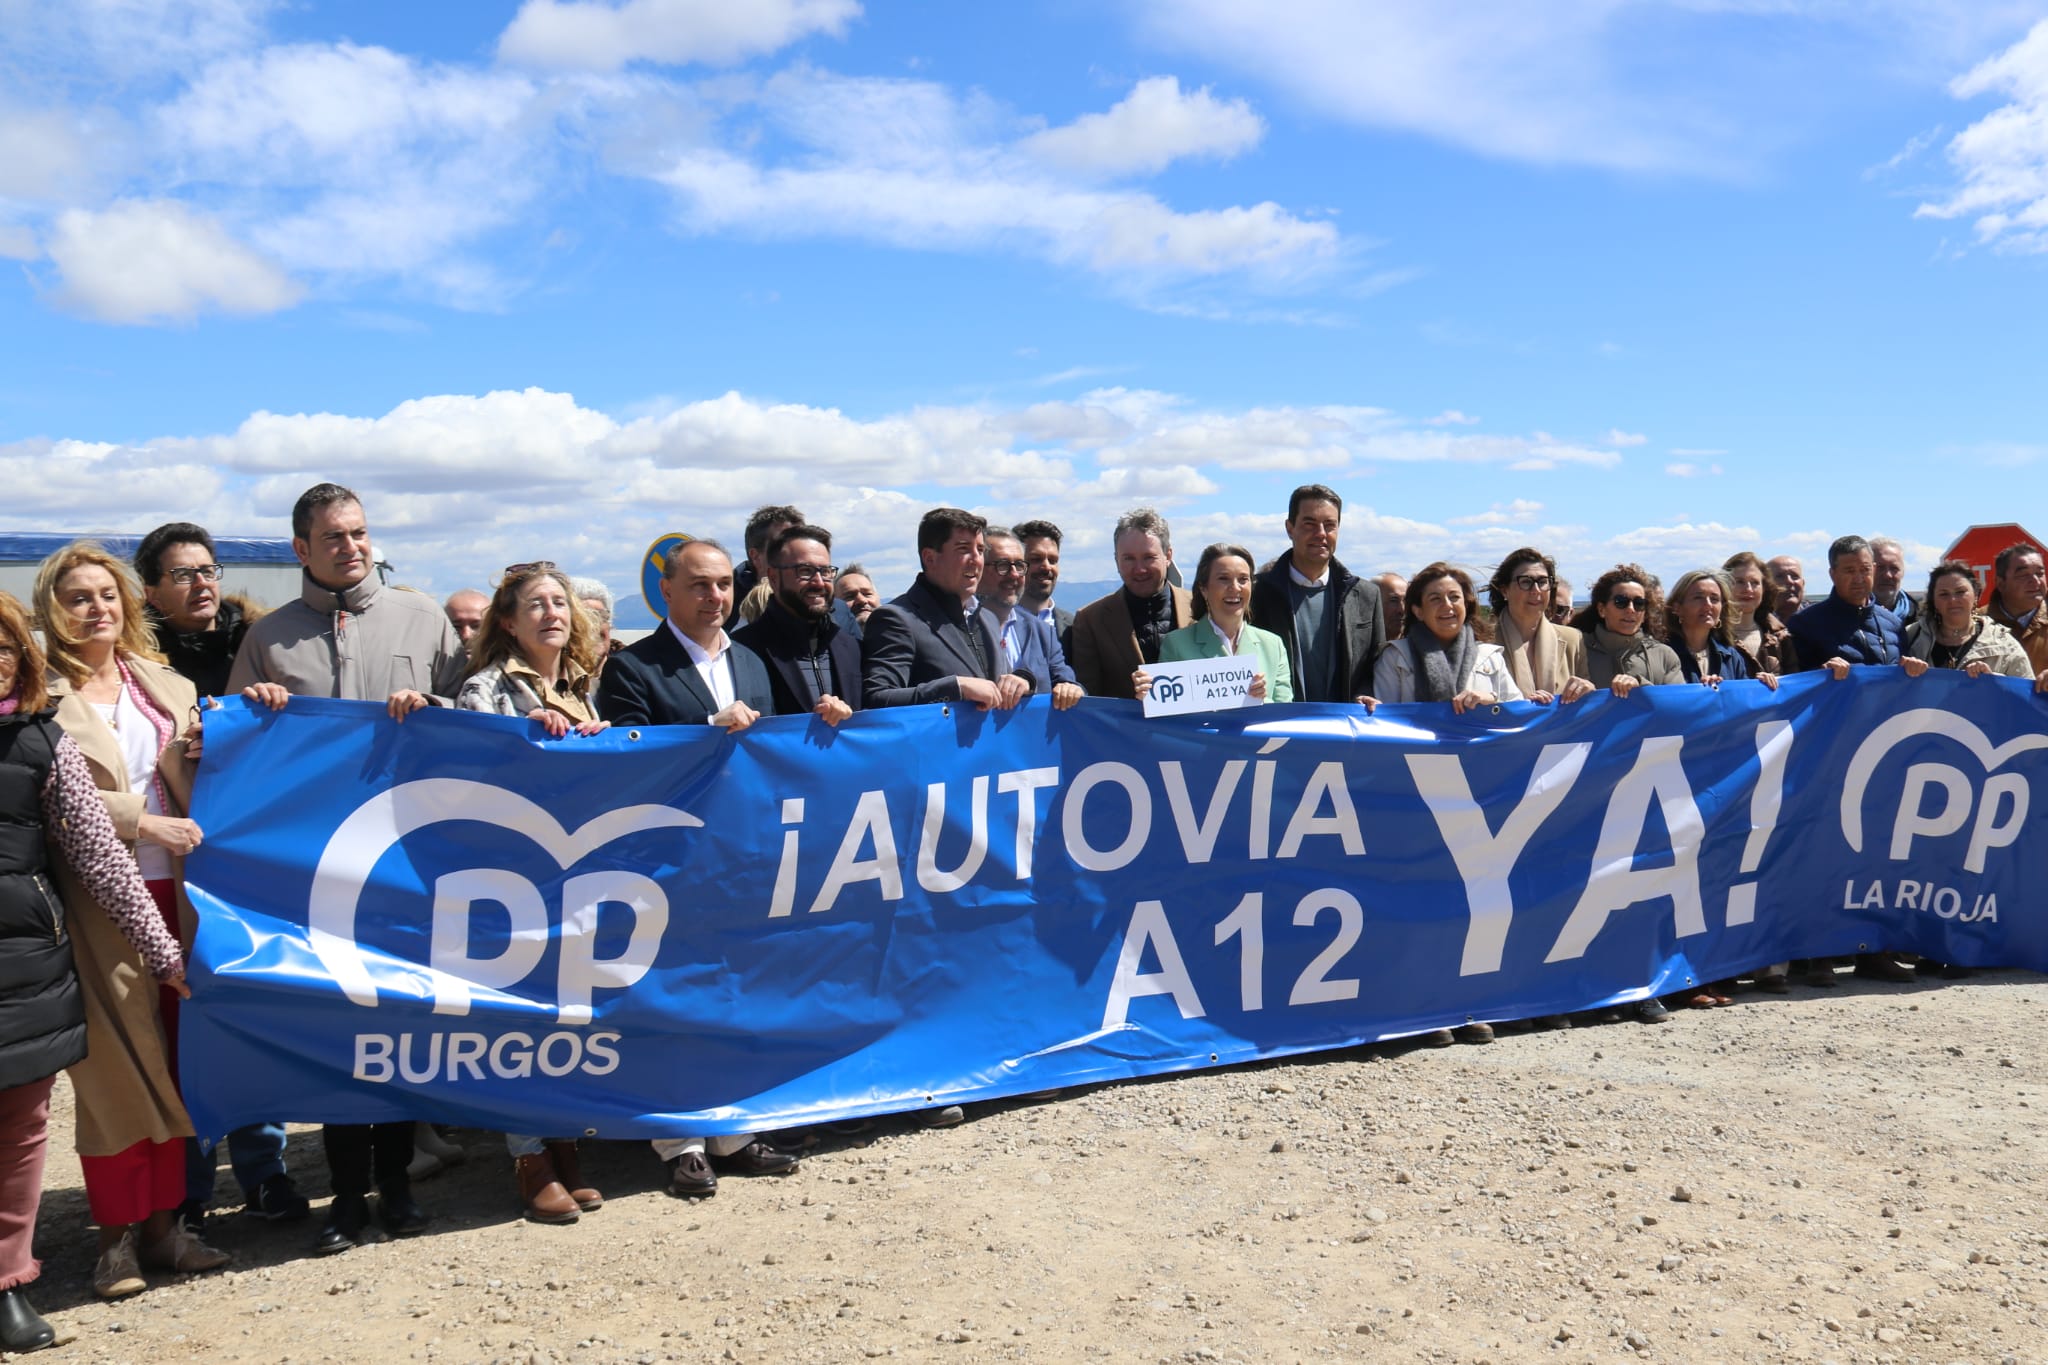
<point>255,1152</point>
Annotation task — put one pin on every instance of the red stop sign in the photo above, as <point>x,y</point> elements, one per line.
<point>1978,547</point>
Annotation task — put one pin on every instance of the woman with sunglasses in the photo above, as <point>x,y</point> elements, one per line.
<point>1548,660</point>
<point>1621,655</point>
<point>133,719</point>
<point>535,655</point>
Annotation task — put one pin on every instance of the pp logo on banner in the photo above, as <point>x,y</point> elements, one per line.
<point>381,822</point>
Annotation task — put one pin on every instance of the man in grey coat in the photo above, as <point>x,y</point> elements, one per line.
<point>352,637</point>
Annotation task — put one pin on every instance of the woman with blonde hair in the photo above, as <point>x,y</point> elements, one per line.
<point>1752,614</point>
<point>134,720</point>
<point>536,656</point>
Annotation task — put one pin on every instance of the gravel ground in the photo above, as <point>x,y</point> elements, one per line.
<point>1854,1175</point>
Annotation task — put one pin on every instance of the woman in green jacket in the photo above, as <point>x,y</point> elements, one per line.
<point>1221,628</point>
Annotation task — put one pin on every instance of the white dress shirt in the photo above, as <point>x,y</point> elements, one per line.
<point>713,666</point>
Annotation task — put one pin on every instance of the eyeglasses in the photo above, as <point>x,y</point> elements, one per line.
<point>1629,603</point>
<point>1007,565</point>
<point>538,566</point>
<point>185,573</point>
<point>1560,612</point>
<point>811,573</point>
<point>1529,582</point>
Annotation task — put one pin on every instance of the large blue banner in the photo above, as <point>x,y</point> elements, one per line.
<point>672,930</point>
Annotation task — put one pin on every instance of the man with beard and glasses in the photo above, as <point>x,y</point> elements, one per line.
<point>1028,643</point>
<point>813,665</point>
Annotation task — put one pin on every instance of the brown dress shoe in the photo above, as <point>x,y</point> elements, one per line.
<point>691,1177</point>
<point>563,1153</point>
<point>759,1158</point>
<point>542,1194</point>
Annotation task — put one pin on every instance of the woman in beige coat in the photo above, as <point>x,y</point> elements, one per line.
<point>1548,660</point>
<point>133,719</point>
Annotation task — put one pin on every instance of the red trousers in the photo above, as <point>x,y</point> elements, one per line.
<point>139,1180</point>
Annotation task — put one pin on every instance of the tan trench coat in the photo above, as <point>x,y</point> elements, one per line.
<point>124,1087</point>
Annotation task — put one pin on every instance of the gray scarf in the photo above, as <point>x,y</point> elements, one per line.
<point>1440,674</point>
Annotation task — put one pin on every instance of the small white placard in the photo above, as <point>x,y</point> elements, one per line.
<point>1201,685</point>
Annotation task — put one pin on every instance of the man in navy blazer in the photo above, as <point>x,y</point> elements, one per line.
<point>932,644</point>
<point>1029,644</point>
<point>813,665</point>
<point>687,671</point>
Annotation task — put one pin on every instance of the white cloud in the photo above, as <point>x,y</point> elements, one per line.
<point>1618,437</point>
<point>18,243</point>
<point>1152,127</point>
<point>1915,145</point>
<point>1684,542</point>
<point>68,484</point>
<point>2003,157</point>
<point>1684,469</point>
<point>159,261</point>
<point>44,154</point>
<point>1697,86</point>
<point>1518,512</point>
<point>1501,76</point>
<point>360,160</point>
<point>906,164</point>
<point>455,483</point>
<point>1451,417</point>
<point>597,36</point>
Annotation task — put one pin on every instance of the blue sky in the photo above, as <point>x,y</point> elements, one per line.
<point>1628,279</point>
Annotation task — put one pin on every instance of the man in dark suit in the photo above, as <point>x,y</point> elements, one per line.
<point>813,665</point>
<point>685,671</point>
<point>931,644</point>
<point>1041,542</point>
<point>1116,635</point>
<point>1029,646</point>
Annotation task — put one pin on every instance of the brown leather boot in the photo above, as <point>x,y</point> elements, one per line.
<point>563,1154</point>
<point>542,1194</point>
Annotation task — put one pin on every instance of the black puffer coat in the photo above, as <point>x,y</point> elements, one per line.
<point>42,1016</point>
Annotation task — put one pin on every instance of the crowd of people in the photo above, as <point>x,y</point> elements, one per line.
<point>101,677</point>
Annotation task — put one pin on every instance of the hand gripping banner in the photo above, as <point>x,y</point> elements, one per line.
<point>672,930</point>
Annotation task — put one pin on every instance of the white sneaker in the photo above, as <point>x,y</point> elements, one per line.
<point>118,1274</point>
